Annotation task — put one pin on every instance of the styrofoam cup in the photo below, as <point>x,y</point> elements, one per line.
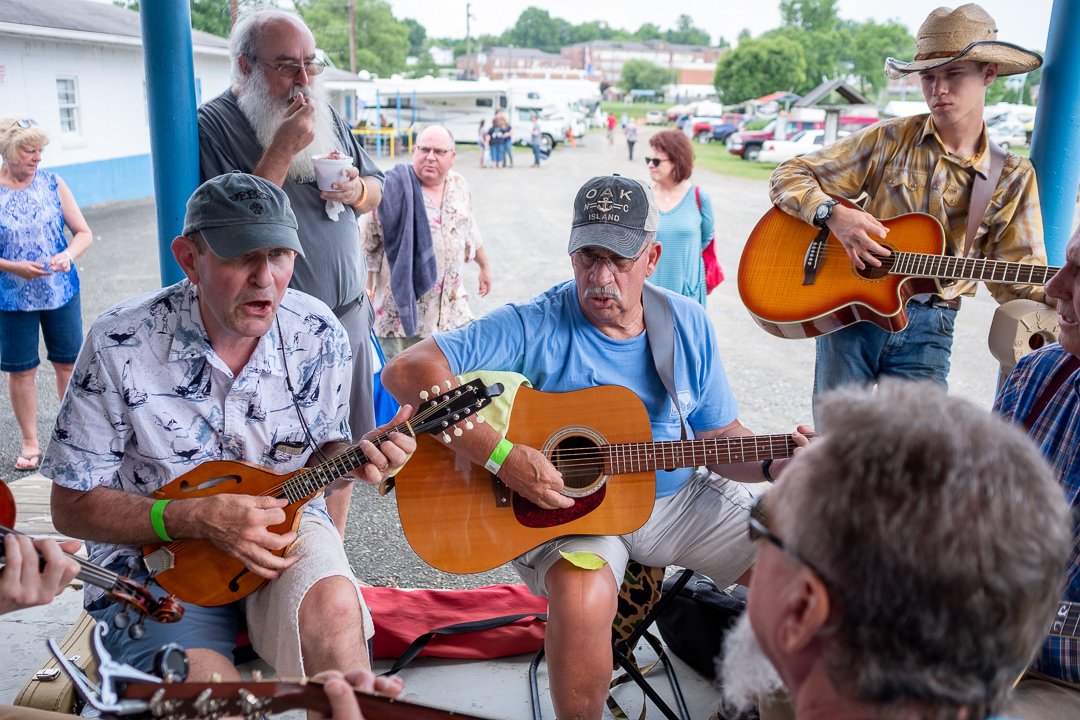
<point>330,171</point>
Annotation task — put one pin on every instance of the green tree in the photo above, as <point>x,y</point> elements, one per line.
<point>686,34</point>
<point>758,67</point>
<point>212,16</point>
<point>382,42</point>
<point>417,37</point>
<point>809,15</point>
<point>873,43</point>
<point>643,75</point>
<point>535,28</point>
<point>648,31</point>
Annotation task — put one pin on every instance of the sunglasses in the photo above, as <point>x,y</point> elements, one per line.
<point>758,529</point>
<point>654,161</point>
<point>24,124</point>
<point>290,70</point>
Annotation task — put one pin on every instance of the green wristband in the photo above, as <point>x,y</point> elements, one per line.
<point>157,519</point>
<point>498,456</point>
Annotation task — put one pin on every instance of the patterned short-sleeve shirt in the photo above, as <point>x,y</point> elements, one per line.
<point>150,399</point>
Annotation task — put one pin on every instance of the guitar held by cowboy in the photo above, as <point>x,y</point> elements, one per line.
<point>798,281</point>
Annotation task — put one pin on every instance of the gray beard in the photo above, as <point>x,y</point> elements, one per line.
<point>746,673</point>
<point>265,115</point>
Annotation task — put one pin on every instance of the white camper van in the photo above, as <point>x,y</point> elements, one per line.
<point>460,105</point>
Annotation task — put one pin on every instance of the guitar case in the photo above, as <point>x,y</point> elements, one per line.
<point>50,688</point>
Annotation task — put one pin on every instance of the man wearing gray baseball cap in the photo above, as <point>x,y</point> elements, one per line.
<point>605,327</point>
<point>228,364</point>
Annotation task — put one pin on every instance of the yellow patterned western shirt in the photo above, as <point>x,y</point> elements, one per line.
<point>903,166</point>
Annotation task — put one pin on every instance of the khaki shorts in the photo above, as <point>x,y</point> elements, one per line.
<point>702,527</point>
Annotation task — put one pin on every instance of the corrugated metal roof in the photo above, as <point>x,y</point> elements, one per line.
<point>85,16</point>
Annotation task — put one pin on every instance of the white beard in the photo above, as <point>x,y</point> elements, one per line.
<point>746,673</point>
<point>265,115</point>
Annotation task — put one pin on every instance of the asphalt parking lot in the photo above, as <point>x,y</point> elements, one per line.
<point>524,216</point>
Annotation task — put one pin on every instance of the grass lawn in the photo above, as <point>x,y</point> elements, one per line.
<point>716,158</point>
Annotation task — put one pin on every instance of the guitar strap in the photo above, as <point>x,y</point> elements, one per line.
<point>660,326</point>
<point>982,188</point>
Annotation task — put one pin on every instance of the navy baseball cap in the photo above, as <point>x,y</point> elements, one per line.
<point>614,213</point>
<point>238,213</point>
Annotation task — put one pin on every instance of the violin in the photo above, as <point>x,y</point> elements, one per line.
<point>118,588</point>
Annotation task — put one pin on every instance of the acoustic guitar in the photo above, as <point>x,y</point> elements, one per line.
<point>199,572</point>
<point>460,518</point>
<point>798,282</point>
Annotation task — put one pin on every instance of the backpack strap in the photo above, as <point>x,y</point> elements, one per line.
<point>459,629</point>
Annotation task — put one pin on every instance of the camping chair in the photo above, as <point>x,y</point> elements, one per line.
<point>640,604</point>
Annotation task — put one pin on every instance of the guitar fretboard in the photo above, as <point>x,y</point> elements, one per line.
<point>641,457</point>
<point>958,268</point>
<point>1066,622</point>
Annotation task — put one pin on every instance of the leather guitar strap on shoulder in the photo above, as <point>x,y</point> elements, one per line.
<point>982,189</point>
<point>660,326</point>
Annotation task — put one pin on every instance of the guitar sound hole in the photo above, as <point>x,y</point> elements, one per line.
<point>580,462</point>
<point>876,273</point>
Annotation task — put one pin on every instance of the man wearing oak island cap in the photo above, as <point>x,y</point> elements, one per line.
<point>227,364</point>
<point>600,329</point>
<point>941,163</point>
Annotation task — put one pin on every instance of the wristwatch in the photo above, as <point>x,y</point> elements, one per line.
<point>824,212</point>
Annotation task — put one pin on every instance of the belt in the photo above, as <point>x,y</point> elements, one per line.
<point>937,301</point>
<point>344,310</point>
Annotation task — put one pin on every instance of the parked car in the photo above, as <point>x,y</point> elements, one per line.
<point>654,117</point>
<point>747,145</point>
<point>1008,135</point>
<point>777,151</point>
<point>706,126</point>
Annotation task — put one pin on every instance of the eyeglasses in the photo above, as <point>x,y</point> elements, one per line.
<point>758,529</point>
<point>584,260</point>
<point>290,70</point>
<point>654,161</point>
<point>424,150</point>
<point>24,123</point>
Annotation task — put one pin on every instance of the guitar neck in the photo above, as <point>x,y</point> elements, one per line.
<point>1066,622</point>
<point>948,267</point>
<point>641,457</point>
<point>309,481</point>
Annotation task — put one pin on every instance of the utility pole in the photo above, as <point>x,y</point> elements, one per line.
<point>468,41</point>
<point>352,36</point>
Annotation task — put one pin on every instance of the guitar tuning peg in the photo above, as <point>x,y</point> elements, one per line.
<point>424,395</point>
<point>435,389</point>
<point>121,620</point>
<point>457,432</point>
<point>480,419</point>
<point>468,425</point>
<point>448,384</point>
<point>136,631</point>
<point>446,438</point>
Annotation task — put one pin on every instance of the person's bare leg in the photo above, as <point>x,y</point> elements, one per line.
<point>331,627</point>
<point>206,665</point>
<point>63,377</point>
<point>22,389</point>
<point>581,608</point>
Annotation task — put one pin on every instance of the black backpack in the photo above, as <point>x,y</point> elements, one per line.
<point>696,621</point>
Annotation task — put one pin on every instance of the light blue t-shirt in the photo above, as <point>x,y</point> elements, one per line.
<point>554,345</point>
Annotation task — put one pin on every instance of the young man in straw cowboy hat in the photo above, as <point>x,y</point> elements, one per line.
<point>925,163</point>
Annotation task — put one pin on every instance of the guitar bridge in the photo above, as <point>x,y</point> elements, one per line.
<point>502,493</point>
<point>814,255</point>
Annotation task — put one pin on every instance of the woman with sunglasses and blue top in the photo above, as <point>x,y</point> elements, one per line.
<point>39,286</point>
<point>686,218</point>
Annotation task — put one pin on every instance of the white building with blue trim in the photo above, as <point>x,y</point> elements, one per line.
<point>76,67</point>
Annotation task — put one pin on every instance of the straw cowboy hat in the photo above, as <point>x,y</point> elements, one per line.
<point>966,33</point>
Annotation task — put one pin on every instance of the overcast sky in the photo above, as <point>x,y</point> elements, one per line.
<point>1024,22</point>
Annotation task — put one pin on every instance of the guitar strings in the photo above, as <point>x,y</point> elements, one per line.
<point>750,447</point>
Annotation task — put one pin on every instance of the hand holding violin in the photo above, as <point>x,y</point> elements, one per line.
<point>34,571</point>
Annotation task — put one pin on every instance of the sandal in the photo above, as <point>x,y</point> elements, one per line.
<point>28,462</point>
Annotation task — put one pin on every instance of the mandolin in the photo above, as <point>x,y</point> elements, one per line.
<point>199,572</point>
<point>117,587</point>
<point>798,282</point>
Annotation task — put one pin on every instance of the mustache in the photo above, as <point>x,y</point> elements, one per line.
<point>603,291</point>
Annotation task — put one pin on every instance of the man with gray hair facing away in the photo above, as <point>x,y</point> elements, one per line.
<point>911,563</point>
<point>270,123</point>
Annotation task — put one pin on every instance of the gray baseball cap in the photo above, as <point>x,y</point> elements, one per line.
<point>614,213</point>
<point>238,213</point>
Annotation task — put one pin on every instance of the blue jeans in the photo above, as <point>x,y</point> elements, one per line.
<point>863,352</point>
<point>536,153</point>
